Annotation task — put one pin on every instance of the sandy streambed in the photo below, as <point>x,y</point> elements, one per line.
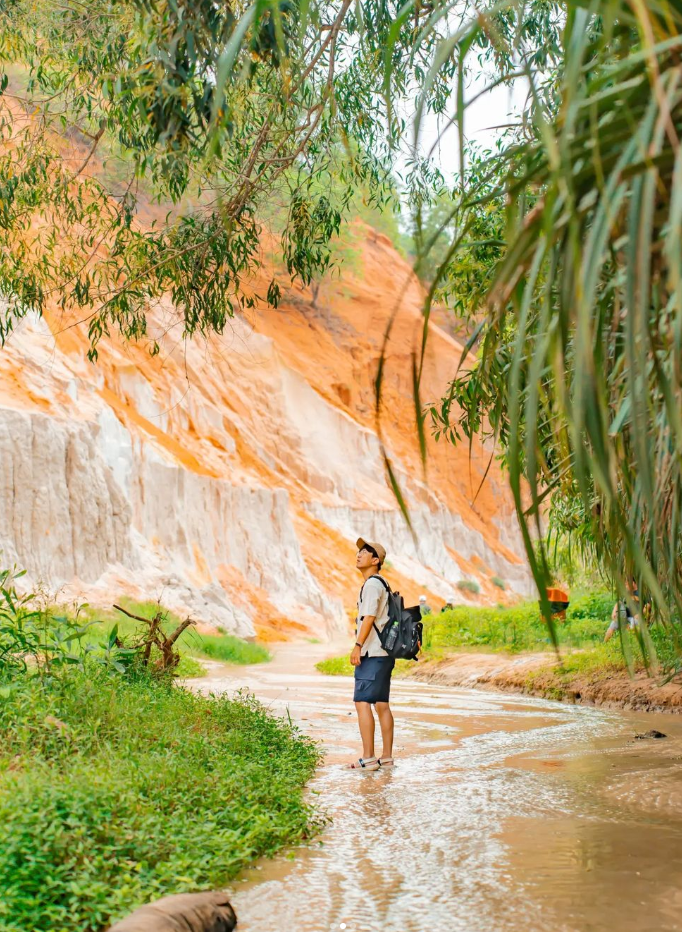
<point>504,813</point>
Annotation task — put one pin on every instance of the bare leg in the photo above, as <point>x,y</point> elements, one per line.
<point>366,723</point>
<point>386,724</point>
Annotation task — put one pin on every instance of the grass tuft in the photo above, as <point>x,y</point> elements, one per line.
<point>341,666</point>
<point>227,648</point>
<point>336,666</point>
<point>189,667</point>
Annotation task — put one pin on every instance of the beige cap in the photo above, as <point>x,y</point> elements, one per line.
<point>377,548</point>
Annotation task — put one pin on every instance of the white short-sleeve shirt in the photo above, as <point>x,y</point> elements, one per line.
<point>372,601</point>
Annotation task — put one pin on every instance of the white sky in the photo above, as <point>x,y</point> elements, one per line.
<point>482,120</point>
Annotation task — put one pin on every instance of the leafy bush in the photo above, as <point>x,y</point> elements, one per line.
<point>469,585</point>
<point>47,639</point>
<point>114,792</point>
<point>35,635</point>
<point>499,582</point>
<point>592,605</point>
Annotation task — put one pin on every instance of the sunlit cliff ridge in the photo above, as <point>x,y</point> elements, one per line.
<point>230,477</point>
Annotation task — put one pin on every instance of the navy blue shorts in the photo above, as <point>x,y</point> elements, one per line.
<point>373,679</point>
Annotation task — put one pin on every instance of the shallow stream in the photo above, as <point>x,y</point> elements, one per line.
<point>504,813</point>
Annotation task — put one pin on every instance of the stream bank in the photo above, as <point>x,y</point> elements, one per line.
<point>503,812</point>
<point>540,674</point>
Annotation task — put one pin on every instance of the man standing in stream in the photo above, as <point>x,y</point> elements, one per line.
<point>373,666</point>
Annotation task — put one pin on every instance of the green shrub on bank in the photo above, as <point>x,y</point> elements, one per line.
<point>469,585</point>
<point>517,627</point>
<point>593,605</point>
<point>497,581</point>
<point>114,792</point>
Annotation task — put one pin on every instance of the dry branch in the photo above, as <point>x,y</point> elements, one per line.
<point>154,636</point>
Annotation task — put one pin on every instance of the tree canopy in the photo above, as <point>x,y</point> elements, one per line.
<point>209,111</point>
<point>577,373</point>
<point>561,244</point>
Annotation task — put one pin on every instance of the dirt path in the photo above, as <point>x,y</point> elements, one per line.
<point>504,814</point>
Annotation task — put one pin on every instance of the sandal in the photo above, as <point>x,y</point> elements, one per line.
<point>368,763</point>
<point>386,761</point>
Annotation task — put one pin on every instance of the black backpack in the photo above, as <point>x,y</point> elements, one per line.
<point>401,636</point>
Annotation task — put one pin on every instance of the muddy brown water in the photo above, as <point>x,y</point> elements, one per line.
<point>503,813</point>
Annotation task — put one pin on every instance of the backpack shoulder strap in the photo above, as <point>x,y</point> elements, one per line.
<point>388,592</point>
<point>381,580</point>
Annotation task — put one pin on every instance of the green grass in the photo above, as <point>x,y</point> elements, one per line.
<point>341,666</point>
<point>336,666</point>
<point>227,648</point>
<point>606,659</point>
<point>193,646</point>
<point>516,628</point>
<point>116,792</point>
<point>600,662</point>
<point>190,667</point>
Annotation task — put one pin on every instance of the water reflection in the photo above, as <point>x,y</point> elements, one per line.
<point>502,815</point>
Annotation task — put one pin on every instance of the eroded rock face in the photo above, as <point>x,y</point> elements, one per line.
<point>62,510</point>
<point>429,559</point>
<point>231,477</point>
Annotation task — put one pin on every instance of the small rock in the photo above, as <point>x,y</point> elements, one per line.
<point>652,734</point>
<point>184,912</point>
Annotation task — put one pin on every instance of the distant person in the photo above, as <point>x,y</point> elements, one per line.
<point>373,666</point>
<point>623,611</point>
<point>558,602</point>
<point>448,604</point>
<point>424,606</point>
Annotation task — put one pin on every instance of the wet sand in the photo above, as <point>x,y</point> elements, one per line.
<point>504,813</point>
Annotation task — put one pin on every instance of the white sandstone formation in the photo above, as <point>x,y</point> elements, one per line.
<point>224,479</point>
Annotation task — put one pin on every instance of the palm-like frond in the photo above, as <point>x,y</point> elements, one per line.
<point>580,363</point>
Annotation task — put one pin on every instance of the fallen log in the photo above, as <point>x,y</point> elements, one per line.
<point>184,912</point>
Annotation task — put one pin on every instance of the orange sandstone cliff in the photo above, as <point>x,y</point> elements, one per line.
<point>229,477</point>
